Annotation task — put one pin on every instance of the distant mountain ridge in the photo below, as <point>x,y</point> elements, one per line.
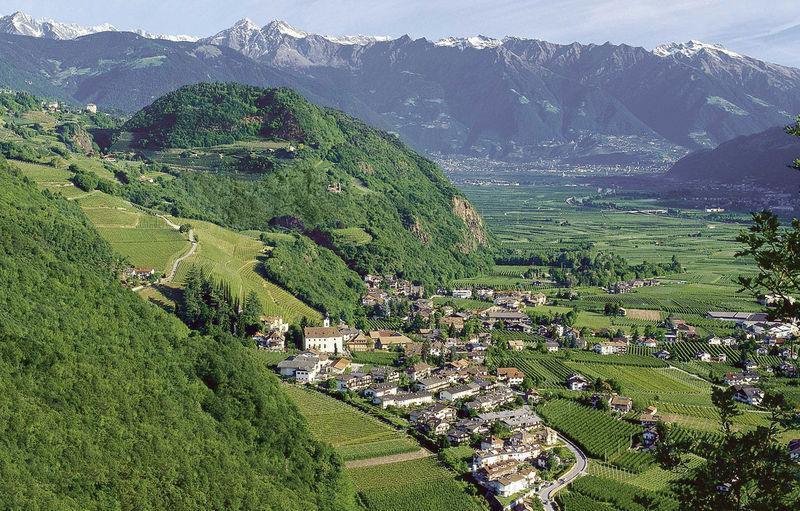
<point>511,98</point>
<point>762,159</point>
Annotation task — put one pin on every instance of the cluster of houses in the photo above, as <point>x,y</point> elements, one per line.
<point>135,276</point>
<point>383,289</point>
<point>626,286</point>
<point>272,336</point>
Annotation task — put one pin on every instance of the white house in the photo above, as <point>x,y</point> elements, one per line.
<point>404,399</point>
<point>304,367</point>
<point>461,392</point>
<point>323,339</point>
<point>462,293</point>
<point>576,381</point>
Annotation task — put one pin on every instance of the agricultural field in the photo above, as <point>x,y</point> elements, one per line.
<point>601,435</point>
<point>421,485</point>
<point>354,434</point>
<point>235,259</point>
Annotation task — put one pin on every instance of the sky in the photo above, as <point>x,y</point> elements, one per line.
<point>766,29</point>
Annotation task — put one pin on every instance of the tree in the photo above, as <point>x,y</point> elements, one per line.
<point>86,181</point>
<point>250,318</point>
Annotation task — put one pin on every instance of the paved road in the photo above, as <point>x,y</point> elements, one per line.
<point>547,493</point>
<point>174,268</point>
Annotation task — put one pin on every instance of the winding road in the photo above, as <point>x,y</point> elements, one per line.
<point>547,493</point>
<point>171,274</point>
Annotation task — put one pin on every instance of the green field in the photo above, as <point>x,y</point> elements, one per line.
<point>419,485</point>
<point>354,434</point>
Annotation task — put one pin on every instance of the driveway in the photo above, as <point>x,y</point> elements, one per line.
<point>547,493</point>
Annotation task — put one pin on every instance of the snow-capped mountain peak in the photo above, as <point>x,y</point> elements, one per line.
<point>20,23</point>
<point>283,28</point>
<point>691,48</point>
<point>479,42</point>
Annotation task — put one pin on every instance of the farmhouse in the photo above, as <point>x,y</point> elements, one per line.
<point>516,345</point>
<point>360,343</point>
<point>650,417</point>
<point>323,339</point>
<point>511,374</point>
<point>703,356</point>
<point>620,404</point>
<point>304,367</point>
<point>552,346</point>
<point>611,347</point>
<point>576,381</point>
<point>748,394</point>
<point>388,339</point>
<point>741,378</point>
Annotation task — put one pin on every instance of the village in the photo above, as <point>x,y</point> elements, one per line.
<point>443,385</point>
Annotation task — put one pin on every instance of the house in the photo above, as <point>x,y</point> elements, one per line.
<point>749,365</point>
<point>492,442</point>
<point>649,436</point>
<point>794,449</point>
<point>353,381</point>
<point>360,343</point>
<point>552,346</point>
<point>741,378</point>
<point>511,484</point>
<point>703,356</point>
<point>611,347</point>
<point>142,272</point>
<point>381,374</point>
<point>650,417</point>
<point>304,367</point>
<point>439,411</point>
<point>648,342</point>
<point>323,339</point>
<point>462,392</point>
<point>275,323</point>
<point>720,359</point>
<point>510,374</point>
<point>663,355</point>
<point>388,339</point>
<point>491,400</point>
<point>472,426</point>
<point>516,345</point>
<point>515,420</point>
<point>418,371</point>
<point>432,384</point>
<point>577,381</point>
<point>457,436</point>
<point>340,365</point>
<point>748,394</point>
<point>457,322</point>
<point>518,453</point>
<point>682,330</point>
<point>512,320</point>
<point>620,404</point>
<point>464,294</point>
<point>537,300</point>
<point>405,399</point>
<point>91,108</point>
<point>273,341</point>
<point>378,391</point>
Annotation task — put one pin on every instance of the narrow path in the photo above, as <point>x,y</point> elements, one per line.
<point>178,261</point>
<point>385,460</point>
<point>547,493</point>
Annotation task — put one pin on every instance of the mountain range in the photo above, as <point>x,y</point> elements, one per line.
<point>512,98</point>
<point>20,23</point>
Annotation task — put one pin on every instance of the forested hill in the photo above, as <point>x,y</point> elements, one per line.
<point>269,159</point>
<point>108,403</point>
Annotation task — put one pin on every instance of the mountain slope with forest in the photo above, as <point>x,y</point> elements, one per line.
<point>267,159</point>
<point>106,402</point>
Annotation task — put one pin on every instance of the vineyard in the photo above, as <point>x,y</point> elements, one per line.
<point>234,259</point>
<point>421,485</point>
<point>543,370</point>
<point>354,434</point>
<point>601,435</point>
<point>619,495</point>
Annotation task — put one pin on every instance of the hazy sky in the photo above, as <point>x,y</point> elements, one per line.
<point>768,29</point>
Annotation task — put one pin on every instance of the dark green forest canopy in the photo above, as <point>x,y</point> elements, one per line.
<point>108,403</point>
<point>418,225</point>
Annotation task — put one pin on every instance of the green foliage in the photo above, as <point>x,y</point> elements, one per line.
<point>315,275</point>
<point>107,403</point>
<point>18,102</point>
<point>359,192</point>
<point>86,181</point>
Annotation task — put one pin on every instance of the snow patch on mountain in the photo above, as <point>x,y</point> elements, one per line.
<point>479,42</point>
<point>691,48</point>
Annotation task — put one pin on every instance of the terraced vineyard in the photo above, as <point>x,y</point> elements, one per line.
<point>601,435</point>
<point>354,434</point>
<point>235,258</point>
<point>421,485</point>
<point>543,370</point>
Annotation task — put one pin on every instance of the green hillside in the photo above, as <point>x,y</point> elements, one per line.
<point>250,158</point>
<point>106,402</point>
